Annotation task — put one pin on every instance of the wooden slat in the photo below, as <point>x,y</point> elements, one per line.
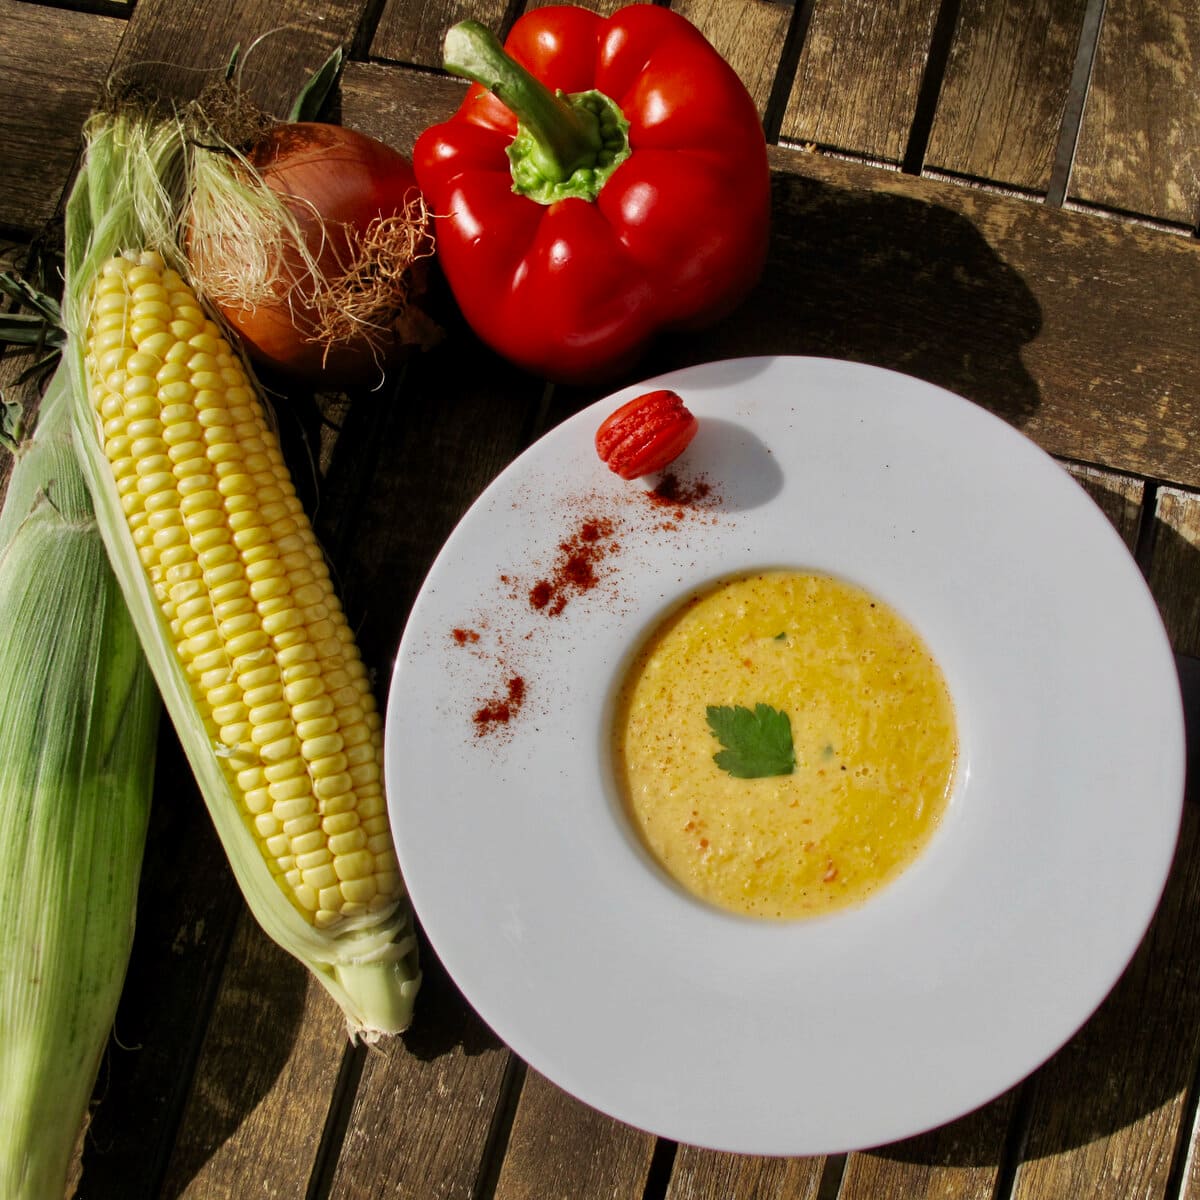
<point>411,31</point>
<point>706,1175</point>
<point>960,1161</point>
<point>264,1080</point>
<point>1139,145</point>
<point>560,1149</point>
<point>1120,498</point>
<point>1174,573</point>
<point>180,48</point>
<point>425,1105</point>
<point>1005,91</point>
<point>43,106</point>
<point>859,76</point>
<point>1106,1111</point>
<point>748,33</point>
<point>1079,330</point>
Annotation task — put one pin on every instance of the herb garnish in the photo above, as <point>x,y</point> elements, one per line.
<point>758,741</point>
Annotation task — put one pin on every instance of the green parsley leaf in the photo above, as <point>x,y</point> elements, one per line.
<point>758,741</point>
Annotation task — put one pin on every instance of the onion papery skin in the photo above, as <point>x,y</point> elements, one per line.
<point>335,182</point>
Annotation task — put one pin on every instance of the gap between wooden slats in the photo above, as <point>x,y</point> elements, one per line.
<point>560,1149</point>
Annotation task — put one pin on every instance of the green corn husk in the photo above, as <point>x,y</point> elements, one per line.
<point>127,199</point>
<point>78,721</point>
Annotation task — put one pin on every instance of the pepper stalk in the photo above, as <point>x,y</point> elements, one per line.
<point>567,146</point>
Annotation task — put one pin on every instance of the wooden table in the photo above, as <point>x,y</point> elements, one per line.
<point>1001,198</point>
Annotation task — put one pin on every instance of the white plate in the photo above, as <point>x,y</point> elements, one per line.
<point>861,1027</point>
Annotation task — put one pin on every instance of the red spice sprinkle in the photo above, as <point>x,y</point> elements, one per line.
<point>499,711</point>
<point>587,558</point>
<point>574,571</point>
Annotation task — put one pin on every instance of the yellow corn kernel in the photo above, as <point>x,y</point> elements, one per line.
<point>256,624</point>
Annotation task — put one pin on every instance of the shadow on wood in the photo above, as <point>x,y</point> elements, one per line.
<point>851,275</point>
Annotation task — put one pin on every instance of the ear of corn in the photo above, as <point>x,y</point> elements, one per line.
<point>228,588</point>
<point>78,720</point>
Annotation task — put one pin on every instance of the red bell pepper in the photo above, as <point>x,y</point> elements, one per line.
<point>603,179</point>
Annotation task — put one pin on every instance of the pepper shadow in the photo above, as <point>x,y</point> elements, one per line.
<point>881,278</point>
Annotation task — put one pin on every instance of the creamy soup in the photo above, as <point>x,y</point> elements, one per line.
<point>786,744</point>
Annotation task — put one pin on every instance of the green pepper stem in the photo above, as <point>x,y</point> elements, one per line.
<point>567,137</point>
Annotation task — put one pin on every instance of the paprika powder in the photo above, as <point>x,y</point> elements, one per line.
<point>604,179</point>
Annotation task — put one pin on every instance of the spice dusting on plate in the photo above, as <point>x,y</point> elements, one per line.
<point>601,531</point>
<point>575,569</point>
<point>500,709</point>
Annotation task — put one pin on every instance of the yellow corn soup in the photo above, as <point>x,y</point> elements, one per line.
<point>873,742</point>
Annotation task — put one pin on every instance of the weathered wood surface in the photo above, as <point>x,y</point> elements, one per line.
<point>859,76</point>
<point>229,1074</point>
<point>1005,91</point>
<point>1139,148</point>
<point>559,1149</point>
<point>53,65</point>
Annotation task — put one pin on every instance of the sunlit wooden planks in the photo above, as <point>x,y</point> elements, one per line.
<point>604,7</point>
<point>1002,99</point>
<point>42,106</point>
<point>1139,145</point>
<point>560,1149</point>
<point>1119,497</point>
<point>424,1106</point>
<point>707,1175</point>
<point>859,76</point>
